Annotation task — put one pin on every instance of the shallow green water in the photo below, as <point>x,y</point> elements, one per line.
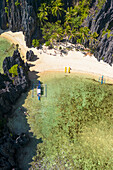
<point>6,50</point>
<point>73,122</point>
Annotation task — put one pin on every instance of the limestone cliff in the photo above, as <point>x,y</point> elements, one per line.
<point>19,18</point>
<point>103,20</point>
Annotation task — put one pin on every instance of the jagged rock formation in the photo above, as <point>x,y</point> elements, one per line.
<point>103,20</point>
<point>12,87</point>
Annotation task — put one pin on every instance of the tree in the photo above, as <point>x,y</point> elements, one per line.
<point>57,8</point>
<point>82,34</point>
<point>42,14</point>
<point>92,39</point>
<point>35,43</point>
<point>83,9</point>
<point>52,32</point>
<point>72,23</point>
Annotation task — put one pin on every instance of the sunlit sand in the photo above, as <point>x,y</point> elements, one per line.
<point>49,60</point>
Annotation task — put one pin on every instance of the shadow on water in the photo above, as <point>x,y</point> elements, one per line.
<point>18,124</point>
<point>109,84</point>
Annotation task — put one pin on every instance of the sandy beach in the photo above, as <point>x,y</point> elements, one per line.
<point>48,61</point>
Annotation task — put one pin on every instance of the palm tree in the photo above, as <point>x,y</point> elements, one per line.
<point>68,23</point>
<point>82,34</point>
<point>43,13</point>
<point>72,22</point>
<point>58,31</point>
<point>57,8</point>
<point>83,9</point>
<point>92,39</point>
<point>67,31</point>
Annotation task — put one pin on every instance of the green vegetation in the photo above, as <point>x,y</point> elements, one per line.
<point>6,49</point>
<point>52,32</point>
<point>57,8</point>
<point>7,8</point>
<point>42,15</point>
<point>75,122</point>
<point>57,24</point>
<point>108,32</point>
<point>100,3</point>
<point>17,3</point>
<point>13,70</point>
<point>35,43</point>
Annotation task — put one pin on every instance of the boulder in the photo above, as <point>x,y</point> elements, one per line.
<point>22,139</point>
<point>30,55</point>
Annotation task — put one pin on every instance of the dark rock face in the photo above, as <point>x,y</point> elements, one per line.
<point>20,18</point>
<point>103,20</point>
<point>3,18</point>
<point>9,146</point>
<point>105,49</point>
<point>30,55</point>
<point>12,87</point>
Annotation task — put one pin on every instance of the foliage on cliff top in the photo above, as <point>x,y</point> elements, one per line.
<point>70,22</point>
<point>13,70</point>
<point>75,122</point>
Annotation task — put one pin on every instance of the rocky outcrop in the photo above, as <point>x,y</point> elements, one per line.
<point>12,86</point>
<point>97,23</point>
<point>30,55</point>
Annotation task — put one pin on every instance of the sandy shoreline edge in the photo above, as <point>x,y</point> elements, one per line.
<point>79,64</point>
